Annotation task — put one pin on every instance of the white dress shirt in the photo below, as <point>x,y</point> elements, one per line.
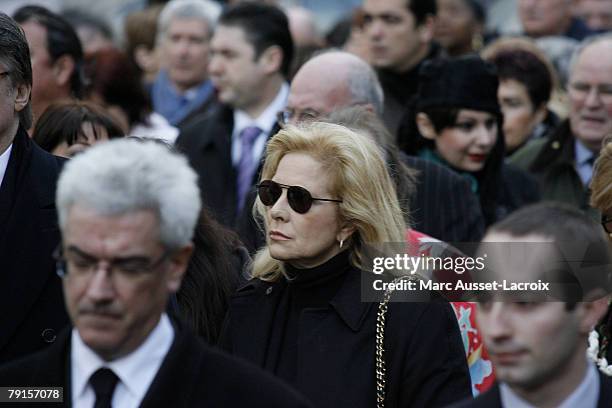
<point>136,371</point>
<point>585,396</point>
<point>4,159</point>
<point>265,122</point>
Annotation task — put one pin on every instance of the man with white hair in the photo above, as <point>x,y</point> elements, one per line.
<point>182,89</point>
<point>127,212</point>
<point>563,163</point>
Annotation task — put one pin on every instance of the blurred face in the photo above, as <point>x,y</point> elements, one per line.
<point>114,308</point>
<point>520,116</point>
<point>87,138</point>
<point>466,145</point>
<point>45,86</point>
<point>597,14</point>
<point>303,240</point>
<point>234,70</point>
<point>395,40</point>
<point>530,343</point>
<point>590,95</point>
<point>455,26</point>
<point>544,17</point>
<point>186,52</point>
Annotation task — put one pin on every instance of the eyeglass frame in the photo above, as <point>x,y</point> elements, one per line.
<point>288,188</point>
<point>61,264</point>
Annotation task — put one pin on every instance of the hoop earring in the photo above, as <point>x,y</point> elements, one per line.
<point>341,243</point>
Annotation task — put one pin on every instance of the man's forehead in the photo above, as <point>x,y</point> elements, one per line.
<point>313,89</point>
<point>597,55</point>
<point>386,6</point>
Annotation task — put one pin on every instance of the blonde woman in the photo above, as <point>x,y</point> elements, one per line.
<point>324,193</point>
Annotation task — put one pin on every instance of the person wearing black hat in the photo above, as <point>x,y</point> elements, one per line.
<point>456,121</point>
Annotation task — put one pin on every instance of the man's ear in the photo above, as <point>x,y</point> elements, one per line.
<point>426,29</point>
<point>592,312</point>
<point>62,69</point>
<point>271,59</point>
<point>22,97</point>
<point>426,127</point>
<point>178,266</point>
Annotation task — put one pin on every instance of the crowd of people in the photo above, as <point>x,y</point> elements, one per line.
<point>188,216</point>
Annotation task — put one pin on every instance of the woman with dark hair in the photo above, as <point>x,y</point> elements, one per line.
<point>69,127</point>
<point>459,26</point>
<point>527,81</point>
<point>457,122</point>
<point>216,268</point>
<point>116,83</point>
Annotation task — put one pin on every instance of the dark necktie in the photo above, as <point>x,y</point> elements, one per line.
<point>246,166</point>
<point>103,383</point>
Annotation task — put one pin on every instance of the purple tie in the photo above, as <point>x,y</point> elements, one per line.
<point>246,166</point>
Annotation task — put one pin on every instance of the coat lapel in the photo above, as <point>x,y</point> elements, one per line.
<point>252,317</point>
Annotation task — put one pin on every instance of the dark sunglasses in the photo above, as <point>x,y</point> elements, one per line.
<point>300,200</point>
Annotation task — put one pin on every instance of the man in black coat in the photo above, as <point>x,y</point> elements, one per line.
<point>30,292</point>
<point>443,205</point>
<point>127,211</point>
<point>251,53</point>
<point>537,342</point>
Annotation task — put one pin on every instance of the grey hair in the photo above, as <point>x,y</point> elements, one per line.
<point>204,10</point>
<point>363,83</point>
<point>15,56</point>
<point>364,86</point>
<point>586,43</point>
<point>126,175</point>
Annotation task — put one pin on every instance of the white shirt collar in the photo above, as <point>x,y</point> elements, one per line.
<point>136,371</point>
<point>267,119</point>
<point>266,122</point>
<point>586,395</point>
<point>4,159</point>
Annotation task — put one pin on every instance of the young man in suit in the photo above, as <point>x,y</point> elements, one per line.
<point>537,341</point>
<point>57,56</point>
<point>30,292</point>
<point>251,51</point>
<point>127,212</point>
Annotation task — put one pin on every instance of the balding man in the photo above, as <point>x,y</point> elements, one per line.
<point>563,163</point>
<point>443,206</point>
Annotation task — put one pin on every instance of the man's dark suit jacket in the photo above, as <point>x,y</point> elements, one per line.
<point>492,398</point>
<point>31,297</point>
<point>191,375</point>
<point>444,205</point>
<point>207,143</point>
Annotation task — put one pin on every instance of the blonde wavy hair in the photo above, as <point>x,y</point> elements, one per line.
<point>357,175</point>
<point>601,183</point>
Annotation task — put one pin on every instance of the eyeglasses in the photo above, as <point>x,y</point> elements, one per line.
<point>300,200</point>
<point>582,90</point>
<point>285,116</point>
<point>81,264</point>
<point>606,222</point>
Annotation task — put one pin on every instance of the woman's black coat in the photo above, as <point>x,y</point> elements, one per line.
<point>426,364</point>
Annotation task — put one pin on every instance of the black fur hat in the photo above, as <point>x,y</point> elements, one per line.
<point>465,82</point>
